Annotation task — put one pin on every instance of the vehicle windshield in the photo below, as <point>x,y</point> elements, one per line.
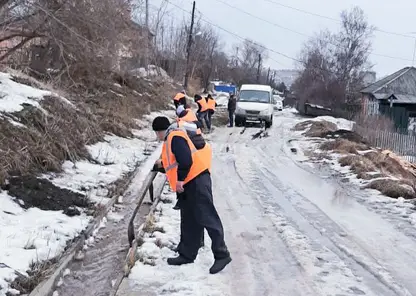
<point>255,96</point>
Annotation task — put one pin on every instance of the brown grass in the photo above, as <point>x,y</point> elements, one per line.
<point>343,146</point>
<point>393,188</point>
<point>39,271</point>
<point>389,165</point>
<point>359,165</point>
<point>61,133</point>
<point>317,128</point>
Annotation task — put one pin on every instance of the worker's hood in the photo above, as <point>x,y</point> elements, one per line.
<point>188,127</point>
<point>252,106</point>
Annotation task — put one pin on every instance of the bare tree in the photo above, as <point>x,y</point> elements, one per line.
<point>331,63</point>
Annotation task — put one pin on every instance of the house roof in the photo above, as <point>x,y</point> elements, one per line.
<point>403,99</point>
<point>400,82</point>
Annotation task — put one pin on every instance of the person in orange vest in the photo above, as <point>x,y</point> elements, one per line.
<point>188,173</point>
<point>179,99</point>
<point>211,104</point>
<point>202,112</point>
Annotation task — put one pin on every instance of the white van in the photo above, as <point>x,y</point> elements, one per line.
<point>254,104</point>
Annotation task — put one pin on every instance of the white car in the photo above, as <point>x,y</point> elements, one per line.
<point>278,103</point>
<point>255,103</point>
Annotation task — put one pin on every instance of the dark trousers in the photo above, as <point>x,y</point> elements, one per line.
<point>180,202</point>
<point>208,119</point>
<point>231,117</point>
<point>198,212</point>
<point>203,116</point>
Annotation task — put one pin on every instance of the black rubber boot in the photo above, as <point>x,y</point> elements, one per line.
<point>219,265</point>
<point>180,260</point>
<point>176,207</point>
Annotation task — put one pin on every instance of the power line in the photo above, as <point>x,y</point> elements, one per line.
<point>236,35</point>
<point>297,32</point>
<point>333,19</point>
<point>248,40</point>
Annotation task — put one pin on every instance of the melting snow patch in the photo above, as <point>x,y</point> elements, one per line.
<point>341,123</point>
<point>32,235</point>
<point>152,271</point>
<point>322,264</point>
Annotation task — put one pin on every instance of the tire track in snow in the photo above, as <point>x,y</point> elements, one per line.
<point>262,264</point>
<point>330,273</point>
<point>352,252</point>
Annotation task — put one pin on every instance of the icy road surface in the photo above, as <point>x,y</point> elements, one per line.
<point>290,228</point>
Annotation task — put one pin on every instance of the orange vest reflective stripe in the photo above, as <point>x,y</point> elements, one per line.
<point>178,96</point>
<point>201,159</point>
<point>204,104</point>
<point>211,104</point>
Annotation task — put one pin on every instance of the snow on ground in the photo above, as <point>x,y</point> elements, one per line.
<point>341,123</point>
<point>399,211</point>
<point>35,235</point>
<point>152,271</point>
<point>291,227</point>
<point>14,95</point>
<point>151,72</point>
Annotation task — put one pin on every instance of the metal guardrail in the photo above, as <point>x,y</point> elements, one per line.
<point>133,236</point>
<point>147,187</point>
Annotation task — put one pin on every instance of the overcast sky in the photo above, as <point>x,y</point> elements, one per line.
<point>393,16</point>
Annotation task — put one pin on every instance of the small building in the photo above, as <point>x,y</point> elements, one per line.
<point>394,96</point>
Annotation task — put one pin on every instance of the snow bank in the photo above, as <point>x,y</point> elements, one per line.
<point>152,71</point>
<point>14,95</point>
<point>152,271</point>
<point>33,235</point>
<point>340,122</point>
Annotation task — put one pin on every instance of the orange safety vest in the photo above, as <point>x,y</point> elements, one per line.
<point>201,159</point>
<point>189,117</point>
<point>211,104</point>
<point>178,96</point>
<point>183,125</point>
<point>204,104</point>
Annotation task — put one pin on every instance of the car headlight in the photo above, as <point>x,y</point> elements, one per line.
<point>264,112</point>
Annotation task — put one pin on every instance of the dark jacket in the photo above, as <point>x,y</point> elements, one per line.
<point>197,140</point>
<point>181,101</point>
<point>232,104</point>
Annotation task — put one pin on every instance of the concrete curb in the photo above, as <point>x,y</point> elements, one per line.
<point>46,288</point>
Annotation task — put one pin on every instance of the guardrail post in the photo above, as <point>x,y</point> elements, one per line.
<point>151,192</point>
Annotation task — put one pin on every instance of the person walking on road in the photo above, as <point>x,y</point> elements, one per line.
<point>232,105</point>
<point>202,111</point>
<point>211,104</point>
<point>188,173</point>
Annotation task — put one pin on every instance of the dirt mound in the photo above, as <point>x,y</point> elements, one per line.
<point>31,192</point>
<point>347,135</point>
<point>359,165</point>
<point>343,146</point>
<point>316,128</point>
<point>390,165</point>
<point>393,188</point>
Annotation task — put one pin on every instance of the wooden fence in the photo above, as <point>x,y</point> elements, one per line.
<point>401,144</point>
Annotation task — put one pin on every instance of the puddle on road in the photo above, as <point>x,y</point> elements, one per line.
<point>103,262</point>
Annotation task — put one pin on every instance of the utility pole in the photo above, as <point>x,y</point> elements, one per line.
<point>188,49</point>
<point>147,36</point>
<point>268,76</point>
<point>258,69</point>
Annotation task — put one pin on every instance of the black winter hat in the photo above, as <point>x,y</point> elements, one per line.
<point>160,123</point>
